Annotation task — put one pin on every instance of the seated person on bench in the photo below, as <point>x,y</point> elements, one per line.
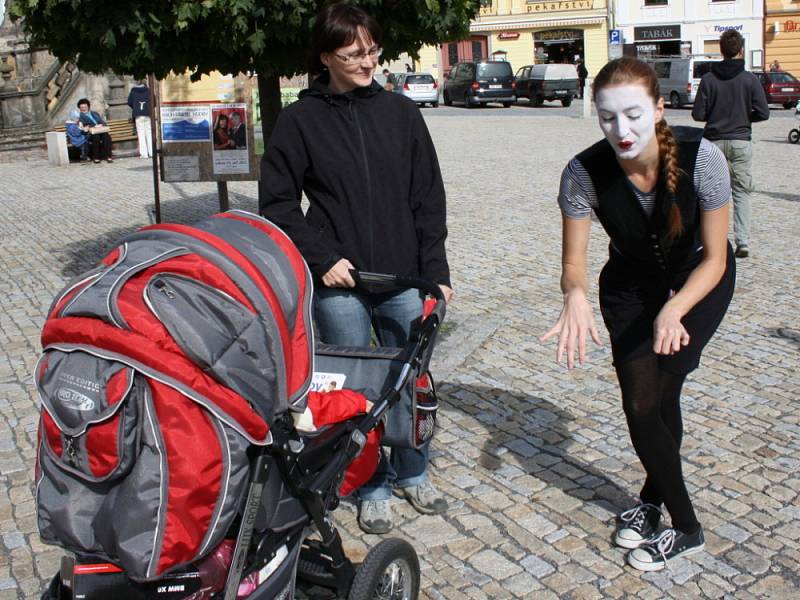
<point>100,140</point>
<point>78,135</point>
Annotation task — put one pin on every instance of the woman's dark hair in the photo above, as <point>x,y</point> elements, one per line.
<point>731,43</point>
<point>627,70</point>
<point>84,101</point>
<point>219,119</point>
<point>339,25</point>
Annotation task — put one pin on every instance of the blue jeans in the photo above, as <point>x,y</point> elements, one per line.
<point>345,317</point>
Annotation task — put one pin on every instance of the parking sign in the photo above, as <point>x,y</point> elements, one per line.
<point>615,37</point>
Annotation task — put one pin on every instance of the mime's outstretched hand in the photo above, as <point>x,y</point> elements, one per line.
<point>574,322</point>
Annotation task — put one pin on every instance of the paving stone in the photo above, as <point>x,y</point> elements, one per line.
<point>494,564</point>
<point>536,566</point>
<point>535,460</point>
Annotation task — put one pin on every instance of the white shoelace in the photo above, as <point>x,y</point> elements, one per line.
<point>634,517</point>
<point>664,544</point>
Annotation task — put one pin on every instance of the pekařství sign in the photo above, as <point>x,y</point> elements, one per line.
<point>657,32</point>
<point>536,6</point>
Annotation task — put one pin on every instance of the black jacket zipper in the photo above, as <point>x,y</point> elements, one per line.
<point>354,113</point>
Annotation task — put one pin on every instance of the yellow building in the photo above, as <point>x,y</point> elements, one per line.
<point>526,32</point>
<point>782,35</point>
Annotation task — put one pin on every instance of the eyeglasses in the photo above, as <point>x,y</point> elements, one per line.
<point>373,53</point>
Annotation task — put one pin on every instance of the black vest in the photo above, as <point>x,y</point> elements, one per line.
<point>640,240</point>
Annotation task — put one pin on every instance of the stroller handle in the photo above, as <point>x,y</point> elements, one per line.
<point>385,282</point>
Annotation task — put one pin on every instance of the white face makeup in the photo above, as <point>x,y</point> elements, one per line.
<point>628,118</point>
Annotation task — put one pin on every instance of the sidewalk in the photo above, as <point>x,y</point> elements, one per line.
<point>534,460</point>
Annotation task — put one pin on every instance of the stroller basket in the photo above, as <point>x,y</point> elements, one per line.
<point>410,423</point>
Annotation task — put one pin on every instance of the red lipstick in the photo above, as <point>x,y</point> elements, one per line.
<point>625,145</point>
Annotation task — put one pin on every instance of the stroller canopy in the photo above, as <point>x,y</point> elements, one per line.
<point>220,310</point>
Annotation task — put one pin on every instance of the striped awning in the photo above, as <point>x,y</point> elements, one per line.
<point>530,23</point>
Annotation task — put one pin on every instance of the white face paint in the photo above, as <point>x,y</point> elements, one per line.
<point>628,118</point>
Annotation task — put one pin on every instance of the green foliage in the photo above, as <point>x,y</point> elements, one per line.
<point>269,37</point>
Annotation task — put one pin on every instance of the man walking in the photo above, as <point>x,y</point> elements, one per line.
<point>729,100</point>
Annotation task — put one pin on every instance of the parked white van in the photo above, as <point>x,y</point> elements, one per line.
<point>679,76</point>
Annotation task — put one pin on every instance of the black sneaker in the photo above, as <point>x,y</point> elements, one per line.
<point>638,525</point>
<point>742,251</point>
<point>671,543</point>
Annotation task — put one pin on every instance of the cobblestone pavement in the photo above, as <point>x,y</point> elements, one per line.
<point>535,460</point>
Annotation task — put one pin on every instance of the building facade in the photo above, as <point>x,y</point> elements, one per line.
<point>782,34</point>
<point>675,27</point>
<point>526,32</point>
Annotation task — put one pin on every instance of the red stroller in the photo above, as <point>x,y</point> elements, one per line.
<point>169,460</point>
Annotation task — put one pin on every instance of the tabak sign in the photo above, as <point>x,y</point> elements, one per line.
<point>508,35</point>
<point>536,6</point>
<point>657,32</point>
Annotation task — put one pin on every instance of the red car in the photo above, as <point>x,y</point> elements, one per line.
<point>781,87</point>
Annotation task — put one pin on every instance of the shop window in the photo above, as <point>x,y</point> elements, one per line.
<point>711,46</point>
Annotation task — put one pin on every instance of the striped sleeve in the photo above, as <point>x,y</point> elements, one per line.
<point>576,195</point>
<point>712,182</point>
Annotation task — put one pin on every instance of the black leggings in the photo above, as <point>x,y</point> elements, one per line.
<point>651,400</point>
<point>101,145</point>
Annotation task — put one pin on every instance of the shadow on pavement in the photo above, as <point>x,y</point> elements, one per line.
<point>81,255</point>
<point>780,195</point>
<point>530,434</point>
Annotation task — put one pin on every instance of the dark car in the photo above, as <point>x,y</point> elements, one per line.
<point>781,87</point>
<point>479,82</point>
<point>543,82</point>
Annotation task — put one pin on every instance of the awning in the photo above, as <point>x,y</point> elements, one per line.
<point>531,23</point>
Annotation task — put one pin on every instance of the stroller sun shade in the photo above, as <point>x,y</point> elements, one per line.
<point>159,368</point>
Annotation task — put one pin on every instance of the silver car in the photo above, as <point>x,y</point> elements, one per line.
<point>420,87</point>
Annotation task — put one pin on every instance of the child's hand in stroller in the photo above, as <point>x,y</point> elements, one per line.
<point>324,408</point>
<point>339,275</point>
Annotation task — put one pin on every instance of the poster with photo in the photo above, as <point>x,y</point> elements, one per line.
<point>229,138</point>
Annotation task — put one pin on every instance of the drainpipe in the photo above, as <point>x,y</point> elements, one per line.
<point>763,35</point>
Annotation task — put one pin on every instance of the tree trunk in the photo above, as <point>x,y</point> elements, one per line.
<point>269,94</point>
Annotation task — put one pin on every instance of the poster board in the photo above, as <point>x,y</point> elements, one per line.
<point>206,130</point>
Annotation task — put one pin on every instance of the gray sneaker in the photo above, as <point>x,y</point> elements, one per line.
<point>375,516</point>
<point>425,498</point>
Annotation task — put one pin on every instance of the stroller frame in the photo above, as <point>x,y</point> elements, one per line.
<point>313,486</point>
<point>312,469</point>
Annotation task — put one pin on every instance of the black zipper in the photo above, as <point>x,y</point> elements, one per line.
<point>369,184</point>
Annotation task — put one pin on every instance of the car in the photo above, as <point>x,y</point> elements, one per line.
<point>420,87</point>
<point>679,76</point>
<point>549,81</point>
<point>780,87</point>
<point>476,83</point>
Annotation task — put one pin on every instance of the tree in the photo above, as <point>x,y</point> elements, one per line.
<point>266,37</point>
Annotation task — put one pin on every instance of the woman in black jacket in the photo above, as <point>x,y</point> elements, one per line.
<point>366,162</point>
<point>663,199</point>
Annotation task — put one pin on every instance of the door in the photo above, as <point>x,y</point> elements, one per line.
<point>466,75</point>
<point>523,79</point>
<point>475,48</point>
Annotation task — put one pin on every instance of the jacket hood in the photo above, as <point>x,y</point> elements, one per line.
<point>728,68</point>
<point>320,88</point>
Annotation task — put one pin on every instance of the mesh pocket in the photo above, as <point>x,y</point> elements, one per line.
<point>427,405</point>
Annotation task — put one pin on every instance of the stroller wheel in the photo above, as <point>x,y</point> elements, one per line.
<point>389,572</point>
<point>794,136</point>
